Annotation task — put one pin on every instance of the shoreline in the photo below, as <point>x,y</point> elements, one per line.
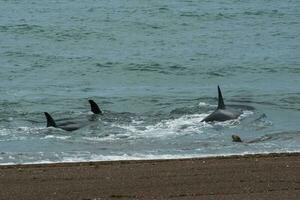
<point>258,155</point>
<point>252,176</point>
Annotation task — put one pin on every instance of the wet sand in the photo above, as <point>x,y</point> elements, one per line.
<point>273,176</point>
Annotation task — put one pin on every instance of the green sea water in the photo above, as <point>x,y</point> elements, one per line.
<point>153,67</point>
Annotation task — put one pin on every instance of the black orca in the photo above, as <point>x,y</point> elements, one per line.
<point>222,113</point>
<point>74,124</point>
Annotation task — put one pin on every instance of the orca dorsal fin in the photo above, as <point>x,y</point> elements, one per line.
<point>94,107</point>
<point>221,104</point>
<point>50,120</point>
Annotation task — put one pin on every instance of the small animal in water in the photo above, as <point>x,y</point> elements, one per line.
<point>74,124</point>
<point>222,113</point>
<point>236,138</point>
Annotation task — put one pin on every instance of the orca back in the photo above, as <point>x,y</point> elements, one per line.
<point>221,104</point>
<point>94,107</point>
<point>50,120</point>
<point>221,113</point>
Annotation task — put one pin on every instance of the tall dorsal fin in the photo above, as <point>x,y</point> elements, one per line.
<point>50,120</point>
<point>221,104</point>
<point>94,107</point>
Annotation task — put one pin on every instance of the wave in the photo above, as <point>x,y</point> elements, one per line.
<point>86,157</point>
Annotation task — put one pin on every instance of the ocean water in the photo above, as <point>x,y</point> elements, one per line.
<point>153,67</point>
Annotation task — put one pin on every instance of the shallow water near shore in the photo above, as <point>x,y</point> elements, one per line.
<point>153,67</point>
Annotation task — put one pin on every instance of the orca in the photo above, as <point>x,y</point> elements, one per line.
<point>222,113</point>
<point>74,124</point>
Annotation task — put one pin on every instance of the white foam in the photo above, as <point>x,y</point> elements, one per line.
<point>111,137</point>
<point>183,125</point>
<point>5,131</point>
<point>203,104</point>
<point>14,138</point>
<point>246,113</point>
<point>137,122</point>
<point>86,157</point>
<point>56,137</point>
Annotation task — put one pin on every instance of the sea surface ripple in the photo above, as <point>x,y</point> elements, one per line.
<point>153,67</point>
